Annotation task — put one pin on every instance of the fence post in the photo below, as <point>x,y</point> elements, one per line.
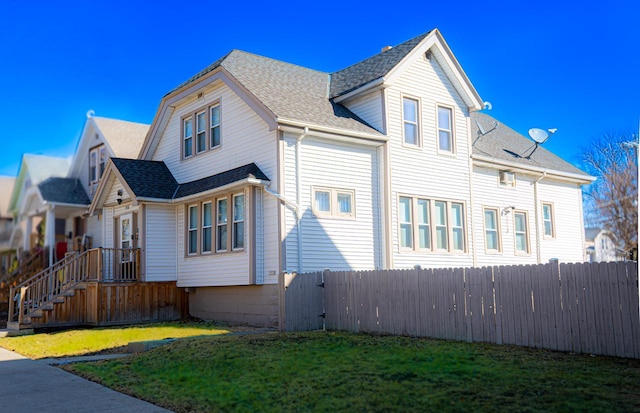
<point>282,302</point>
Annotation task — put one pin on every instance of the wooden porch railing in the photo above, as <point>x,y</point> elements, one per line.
<point>49,286</point>
<point>28,265</point>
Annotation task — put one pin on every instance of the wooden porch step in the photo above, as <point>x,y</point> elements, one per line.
<point>69,293</point>
<point>15,326</point>
<point>35,313</point>
<point>58,300</point>
<point>46,306</point>
<point>80,286</point>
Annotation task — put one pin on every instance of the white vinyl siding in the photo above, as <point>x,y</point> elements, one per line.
<point>339,244</point>
<point>423,173</point>
<point>369,108</point>
<point>245,138</point>
<point>160,243</point>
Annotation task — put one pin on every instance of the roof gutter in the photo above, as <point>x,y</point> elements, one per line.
<point>480,160</point>
<point>223,188</point>
<point>296,127</point>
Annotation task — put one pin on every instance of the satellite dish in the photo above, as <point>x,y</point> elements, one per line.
<point>538,135</point>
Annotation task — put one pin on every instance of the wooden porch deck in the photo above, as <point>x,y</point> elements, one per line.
<point>98,287</point>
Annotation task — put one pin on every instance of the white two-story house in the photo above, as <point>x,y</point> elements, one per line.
<point>256,166</point>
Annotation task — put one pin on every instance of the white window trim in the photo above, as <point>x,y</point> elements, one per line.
<point>552,220</point>
<point>453,150</point>
<point>191,229</point>
<point>218,125</point>
<point>515,233</point>
<point>497,230</point>
<point>334,210</point>
<point>97,150</point>
<point>203,227</point>
<point>229,197</point>
<point>418,144</point>
<point>233,221</point>
<point>415,226</point>
<point>197,132</point>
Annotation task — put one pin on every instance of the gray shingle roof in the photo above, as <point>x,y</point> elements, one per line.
<point>289,91</point>
<point>375,67</point>
<point>505,144</point>
<point>124,138</point>
<point>147,179</point>
<point>64,190</point>
<point>152,179</point>
<point>41,167</point>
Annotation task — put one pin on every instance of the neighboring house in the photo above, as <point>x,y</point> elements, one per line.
<point>64,197</point>
<point>602,246</point>
<point>30,218</point>
<point>6,224</point>
<point>256,166</point>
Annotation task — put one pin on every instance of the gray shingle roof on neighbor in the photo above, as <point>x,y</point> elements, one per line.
<point>503,143</point>
<point>64,191</point>
<point>152,179</point>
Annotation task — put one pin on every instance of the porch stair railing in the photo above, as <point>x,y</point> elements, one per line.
<point>53,285</point>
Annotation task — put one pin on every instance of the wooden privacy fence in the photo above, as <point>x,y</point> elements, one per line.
<point>582,308</point>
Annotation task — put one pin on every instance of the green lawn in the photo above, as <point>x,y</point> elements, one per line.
<point>327,371</point>
<point>79,342</point>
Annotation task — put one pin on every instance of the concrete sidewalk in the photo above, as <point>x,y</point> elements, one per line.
<point>30,385</point>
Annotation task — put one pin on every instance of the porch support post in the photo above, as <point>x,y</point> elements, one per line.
<point>50,234</point>
<point>26,237</point>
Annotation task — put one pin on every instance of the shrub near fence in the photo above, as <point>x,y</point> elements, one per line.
<point>581,308</point>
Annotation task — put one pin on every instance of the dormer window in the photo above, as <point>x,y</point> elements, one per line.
<point>97,163</point>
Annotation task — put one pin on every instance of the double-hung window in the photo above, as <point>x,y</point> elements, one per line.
<point>445,130</point>
<point>206,227</point>
<point>216,225</point>
<point>334,203</point>
<point>431,225</point>
<point>521,232</point>
<point>207,124</point>
<point>192,236</point>
<point>410,116</point>
<point>547,220</point>
<point>97,164</point>
<point>491,230</point>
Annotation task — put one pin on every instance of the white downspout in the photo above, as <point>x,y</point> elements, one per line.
<point>299,197</point>
<point>537,211</point>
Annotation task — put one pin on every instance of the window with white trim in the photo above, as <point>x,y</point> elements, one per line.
<point>216,225</point>
<point>431,225</point>
<point>207,124</point>
<point>492,230</point>
<point>521,232</point>
<point>206,227</point>
<point>411,125</point>
<point>192,231</point>
<point>547,220</point>
<point>333,203</point>
<point>97,164</point>
<point>238,222</point>
<point>445,129</point>
<point>222,224</point>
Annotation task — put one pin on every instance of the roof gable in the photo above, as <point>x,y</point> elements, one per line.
<point>6,188</point>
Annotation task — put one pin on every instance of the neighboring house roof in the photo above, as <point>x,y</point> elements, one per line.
<point>6,188</point>
<point>590,234</point>
<point>63,191</point>
<point>373,68</point>
<point>152,179</point>
<point>123,137</point>
<point>505,144</point>
<point>42,167</point>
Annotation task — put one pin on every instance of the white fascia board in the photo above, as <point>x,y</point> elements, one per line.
<point>168,104</point>
<point>461,81</point>
<point>331,133</point>
<point>479,160</point>
<point>368,87</point>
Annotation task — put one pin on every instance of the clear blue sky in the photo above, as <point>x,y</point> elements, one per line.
<point>545,64</point>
